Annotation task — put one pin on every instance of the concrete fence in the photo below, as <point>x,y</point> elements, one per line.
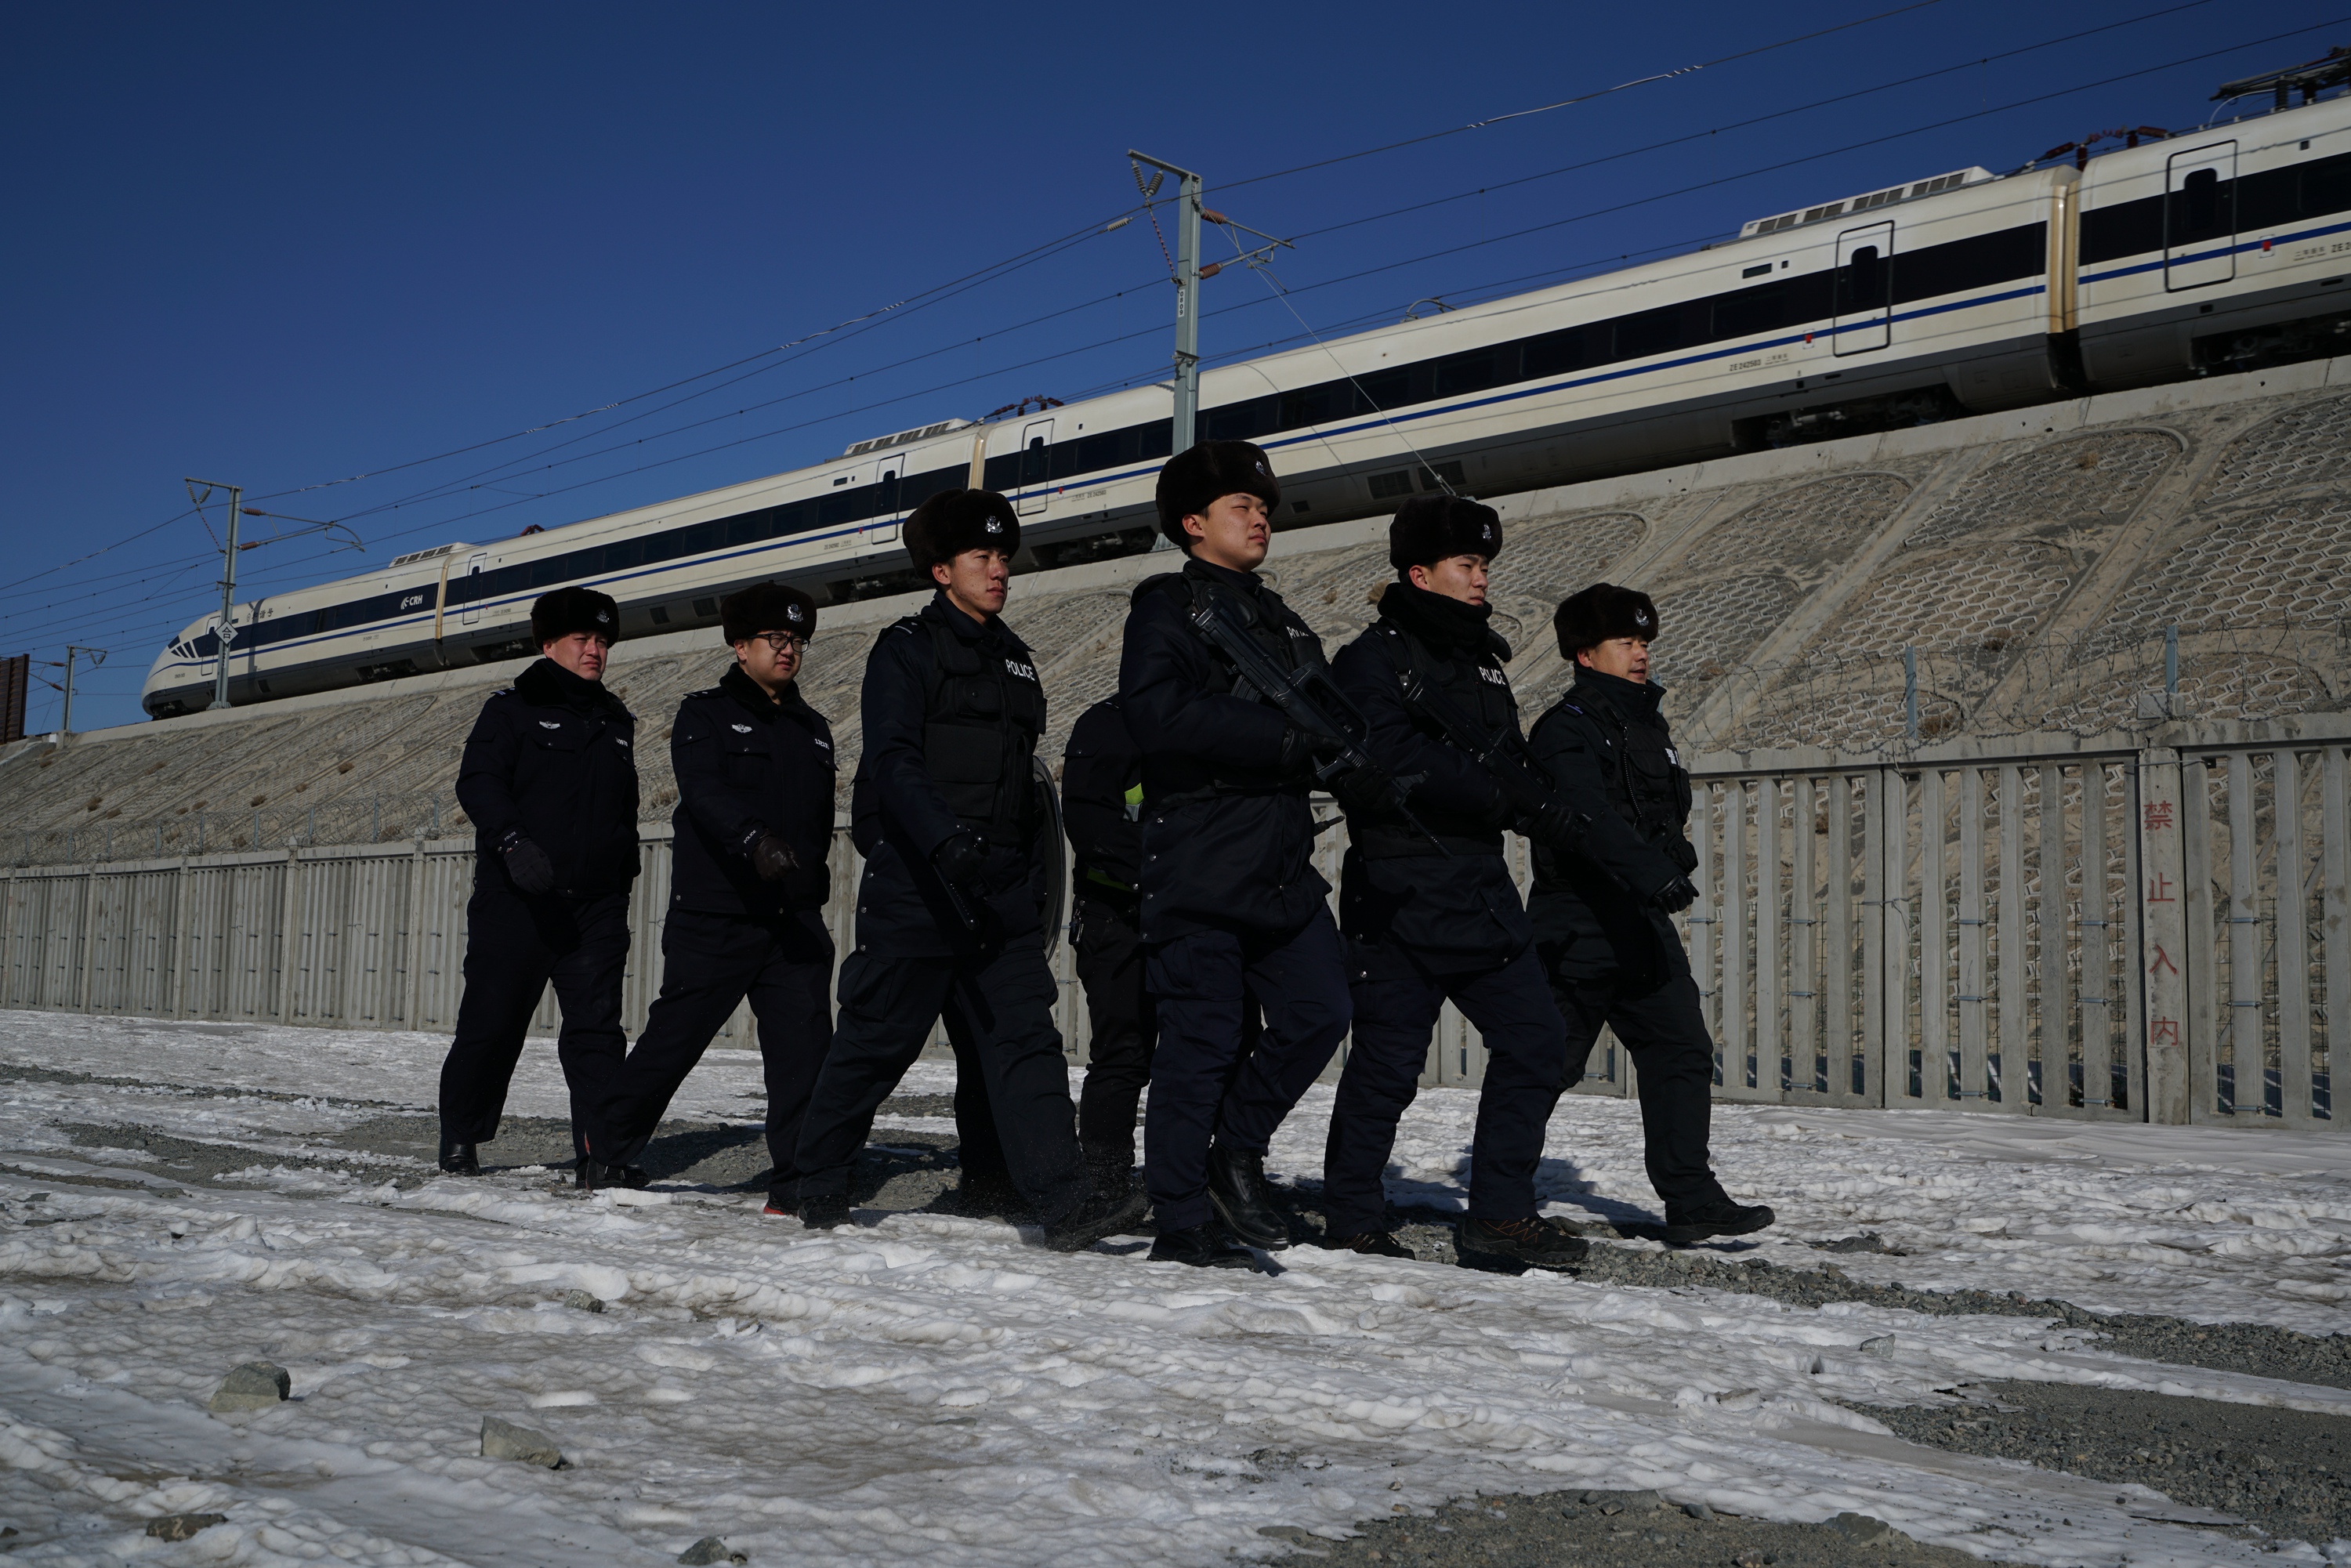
<point>2150,928</point>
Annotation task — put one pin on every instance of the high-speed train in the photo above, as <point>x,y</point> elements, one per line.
<point>2206,252</point>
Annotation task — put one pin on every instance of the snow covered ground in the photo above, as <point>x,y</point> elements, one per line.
<point>930,1389</point>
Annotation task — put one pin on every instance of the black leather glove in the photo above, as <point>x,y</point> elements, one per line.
<point>773,859</point>
<point>1681,852</point>
<point>1675,896</point>
<point>527,864</point>
<point>960,858</point>
<point>1554,827</point>
<point>1368,788</point>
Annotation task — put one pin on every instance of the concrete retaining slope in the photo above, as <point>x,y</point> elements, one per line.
<point>2031,561</point>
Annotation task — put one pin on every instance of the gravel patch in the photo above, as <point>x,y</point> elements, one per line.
<point>2256,1349</point>
<point>1608,1530</point>
<point>2286,1471</point>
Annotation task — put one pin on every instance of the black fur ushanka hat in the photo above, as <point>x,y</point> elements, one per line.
<point>561,612</point>
<point>1602,613</point>
<point>1193,479</point>
<point>766,607</point>
<point>1430,529</point>
<point>954,521</point>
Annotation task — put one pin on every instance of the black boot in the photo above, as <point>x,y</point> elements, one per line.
<point>1208,1246</point>
<point>1371,1244</point>
<point>1112,1170</point>
<point>1537,1243</point>
<point>1716,1217</point>
<point>1103,1213</point>
<point>594,1176</point>
<point>824,1211</point>
<point>1237,1190</point>
<point>459,1159</point>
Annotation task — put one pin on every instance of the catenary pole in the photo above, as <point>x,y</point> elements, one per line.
<point>1188,298</point>
<point>226,633</point>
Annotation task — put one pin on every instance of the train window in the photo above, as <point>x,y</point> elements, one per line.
<point>1234,421</point>
<point>1861,283</point>
<point>2325,188</point>
<point>1475,371</point>
<point>1554,353</point>
<point>1649,332</point>
<point>1033,461</point>
<point>2201,208</point>
<point>1383,390</point>
<point>1316,404</point>
<point>1751,310</point>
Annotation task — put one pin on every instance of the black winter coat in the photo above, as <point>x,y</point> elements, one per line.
<point>1102,806</point>
<point>553,759</point>
<point>901,910</point>
<point>1607,749</point>
<point>748,766</point>
<point>1401,901</point>
<point>1227,839</point>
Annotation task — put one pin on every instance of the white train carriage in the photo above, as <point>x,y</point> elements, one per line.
<point>2217,250</point>
<point>1966,291</point>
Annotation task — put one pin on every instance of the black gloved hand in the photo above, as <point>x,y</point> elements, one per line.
<point>960,858</point>
<point>1368,788</point>
<point>1681,852</point>
<point>1554,827</point>
<point>773,859</point>
<point>527,864</point>
<point>1675,896</point>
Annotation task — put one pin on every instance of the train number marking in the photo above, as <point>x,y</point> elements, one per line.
<point>1778,357</point>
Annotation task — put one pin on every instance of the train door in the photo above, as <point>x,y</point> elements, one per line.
<point>2199,216</point>
<point>1036,459</point>
<point>1865,289</point>
<point>887,506</point>
<point>474,565</point>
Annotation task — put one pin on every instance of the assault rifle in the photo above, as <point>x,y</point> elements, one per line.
<point>1526,787</point>
<point>1312,701</point>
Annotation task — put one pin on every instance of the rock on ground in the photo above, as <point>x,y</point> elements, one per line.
<point>505,1440</point>
<point>255,1386</point>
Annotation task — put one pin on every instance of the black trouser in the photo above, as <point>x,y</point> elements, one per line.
<point>1665,1034</point>
<point>1396,1009</point>
<point>514,947</point>
<point>1125,1027</point>
<point>1001,1018</point>
<point>710,963</point>
<point>1202,981</point>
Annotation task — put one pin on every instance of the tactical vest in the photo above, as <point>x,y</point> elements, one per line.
<point>1271,633</point>
<point>1646,784</point>
<point>983,710</point>
<point>1482,693</point>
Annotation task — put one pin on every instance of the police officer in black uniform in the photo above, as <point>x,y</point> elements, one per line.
<point>1101,809</point>
<point>1601,912</point>
<point>1230,897</point>
<point>946,808</point>
<point>748,884</point>
<point>549,778</point>
<point>1430,910</point>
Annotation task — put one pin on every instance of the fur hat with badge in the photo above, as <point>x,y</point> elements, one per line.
<point>1430,529</point>
<point>1193,479</point>
<point>1602,613</point>
<point>954,521</point>
<point>766,607</point>
<point>563,611</point>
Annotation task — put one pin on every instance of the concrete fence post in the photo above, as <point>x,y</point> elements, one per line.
<point>2163,957</point>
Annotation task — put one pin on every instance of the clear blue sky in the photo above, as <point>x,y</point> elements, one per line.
<point>279,244</point>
